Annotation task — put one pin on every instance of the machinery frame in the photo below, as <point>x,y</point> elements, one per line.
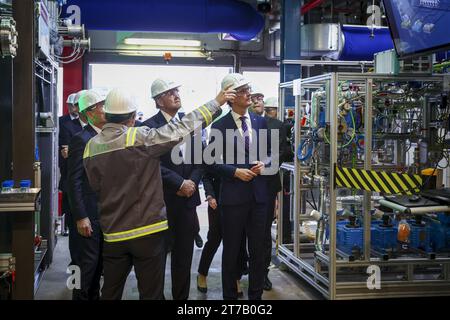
<point>330,271</point>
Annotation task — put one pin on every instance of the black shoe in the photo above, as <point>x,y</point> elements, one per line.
<point>65,233</point>
<point>198,240</point>
<point>201,289</point>
<point>267,284</point>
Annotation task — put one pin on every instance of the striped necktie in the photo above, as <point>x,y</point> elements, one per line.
<point>245,132</point>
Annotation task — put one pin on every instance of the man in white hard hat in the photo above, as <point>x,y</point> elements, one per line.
<point>69,125</point>
<point>180,186</point>
<point>258,101</point>
<point>271,107</point>
<point>243,196</point>
<point>83,200</point>
<point>123,167</point>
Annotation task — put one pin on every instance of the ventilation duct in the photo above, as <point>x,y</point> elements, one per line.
<point>344,42</point>
<point>237,18</point>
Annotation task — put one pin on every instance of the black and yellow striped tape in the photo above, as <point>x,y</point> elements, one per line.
<point>379,181</point>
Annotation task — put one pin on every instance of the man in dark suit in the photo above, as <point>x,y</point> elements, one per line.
<point>180,186</point>
<point>243,190</point>
<point>268,110</point>
<point>83,200</point>
<point>69,125</point>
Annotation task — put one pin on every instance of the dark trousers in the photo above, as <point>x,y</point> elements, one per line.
<point>90,263</point>
<point>183,227</point>
<point>237,222</point>
<point>213,243</point>
<point>73,232</point>
<point>268,230</point>
<point>147,255</point>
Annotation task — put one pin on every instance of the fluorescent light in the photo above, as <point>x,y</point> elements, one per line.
<point>156,53</point>
<point>163,42</point>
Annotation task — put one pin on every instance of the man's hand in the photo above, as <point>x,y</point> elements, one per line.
<point>226,95</point>
<point>187,189</point>
<point>65,151</point>
<point>84,227</point>
<point>258,167</point>
<point>244,174</point>
<point>212,202</point>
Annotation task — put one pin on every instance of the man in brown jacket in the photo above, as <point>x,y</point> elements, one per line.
<point>122,164</point>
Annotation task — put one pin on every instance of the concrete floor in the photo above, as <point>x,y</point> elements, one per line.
<point>286,284</point>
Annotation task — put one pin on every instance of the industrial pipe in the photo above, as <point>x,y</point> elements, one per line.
<point>237,18</point>
<point>417,210</point>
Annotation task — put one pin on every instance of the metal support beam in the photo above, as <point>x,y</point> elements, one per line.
<point>333,96</point>
<point>23,137</point>
<point>367,166</point>
<point>6,103</point>
<point>290,39</point>
<point>24,92</point>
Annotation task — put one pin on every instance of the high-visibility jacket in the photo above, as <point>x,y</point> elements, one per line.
<point>122,165</point>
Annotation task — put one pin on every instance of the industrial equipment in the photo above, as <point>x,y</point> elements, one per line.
<point>366,146</point>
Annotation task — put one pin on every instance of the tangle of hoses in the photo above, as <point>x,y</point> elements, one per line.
<point>309,151</point>
<point>353,133</point>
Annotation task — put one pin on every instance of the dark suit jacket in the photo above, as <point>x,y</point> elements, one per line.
<point>67,129</point>
<point>275,124</point>
<point>211,184</point>
<point>82,199</point>
<point>232,190</point>
<point>174,174</point>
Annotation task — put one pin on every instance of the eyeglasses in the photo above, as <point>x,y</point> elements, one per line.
<point>259,98</point>
<point>98,105</point>
<point>244,91</point>
<point>171,92</point>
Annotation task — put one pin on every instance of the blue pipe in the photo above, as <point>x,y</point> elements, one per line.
<point>238,18</point>
<point>359,45</point>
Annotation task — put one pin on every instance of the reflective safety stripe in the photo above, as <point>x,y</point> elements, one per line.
<point>86,150</point>
<point>208,112</point>
<point>133,139</point>
<point>127,143</point>
<point>136,233</point>
<point>204,115</point>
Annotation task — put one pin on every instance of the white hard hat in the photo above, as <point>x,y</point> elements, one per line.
<point>256,91</point>
<point>71,98</point>
<point>89,99</point>
<point>162,85</point>
<point>119,101</point>
<point>102,91</point>
<point>235,80</point>
<point>271,102</point>
<point>78,95</point>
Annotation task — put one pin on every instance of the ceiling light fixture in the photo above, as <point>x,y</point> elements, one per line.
<point>163,42</point>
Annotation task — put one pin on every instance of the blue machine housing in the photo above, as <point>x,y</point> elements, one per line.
<point>440,233</point>
<point>420,237</point>
<point>384,238</point>
<point>349,239</point>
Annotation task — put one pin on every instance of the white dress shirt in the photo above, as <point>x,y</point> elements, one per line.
<point>238,122</point>
<point>168,118</point>
<point>83,124</point>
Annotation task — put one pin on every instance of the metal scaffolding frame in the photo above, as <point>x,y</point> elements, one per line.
<point>331,272</point>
